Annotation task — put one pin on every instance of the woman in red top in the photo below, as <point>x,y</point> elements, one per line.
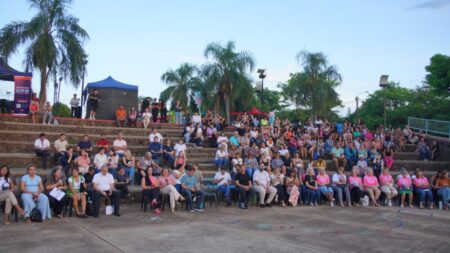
<point>34,107</point>
<point>150,188</point>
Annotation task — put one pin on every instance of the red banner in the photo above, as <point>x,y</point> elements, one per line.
<point>22,94</point>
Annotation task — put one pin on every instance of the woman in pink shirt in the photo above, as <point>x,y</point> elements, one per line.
<point>323,182</point>
<point>356,186</point>
<point>167,187</point>
<point>405,187</point>
<point>370,183</point>
<point>423,189</point>
<point>83,162</point>
<point>387,186</point>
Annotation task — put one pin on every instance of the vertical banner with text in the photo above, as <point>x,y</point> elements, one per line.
<point>22,94</point>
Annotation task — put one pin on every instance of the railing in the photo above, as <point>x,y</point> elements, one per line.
<point>429,126</point>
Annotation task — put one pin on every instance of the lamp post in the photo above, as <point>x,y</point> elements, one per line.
<point>383,84</point>
<point>262,75</point>
<point>357,103</point>
<point>82,89</point>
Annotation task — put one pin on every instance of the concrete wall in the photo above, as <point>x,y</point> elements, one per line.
<point>111,99</point>
<point>444,146</point>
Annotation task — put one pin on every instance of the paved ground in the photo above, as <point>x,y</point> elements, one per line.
<point>301,229</point>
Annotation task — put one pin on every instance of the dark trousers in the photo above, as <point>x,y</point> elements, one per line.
<point>151,193</point>
<point>123,188</point>
<point>155,115</point>
<point>200,196</point>
<point>356,194</point>
<point>73,112</point>
<point>44,155</point>
<point>57,206</point>
<point>281,193</point>
<point>244,195</point>
<point>115,198</point>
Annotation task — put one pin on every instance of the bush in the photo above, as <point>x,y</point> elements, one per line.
<point>61,110</point>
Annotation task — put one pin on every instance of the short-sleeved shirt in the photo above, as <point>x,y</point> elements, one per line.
<point>121,178</point>
<point>370,181</point>
<point>76,185</point>
<point>103,181</point>
<point>243,179</point>
<point>32,185</point>
<point>189,181</point>
<point>310,179</point>
<point>119,143</point>
<point>226,178</point>
<point>323,179</point>
<point>337,152</point>
<point>41,144</point>
<point>84,144</point>
<point>61,146</point>
<point>385,179</point>
<point>418,182</point>
<point>179,147</point>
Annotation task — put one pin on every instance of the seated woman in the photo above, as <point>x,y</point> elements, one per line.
<point>55,181</point>
<point>121,181</point>
<point>7,189</point>
<point>356,186</point>
<point>388,157</point>
<point>323,181</point>
<point>292,184</point>
<point>371,185</point>
<point>129,162</point>
<point>423,189</point>
<point>32,188</point>
<point>77,191</point>
<point>150,188</point>
<point>221,159</point>
<point>311,187</point>
<point>167,187</point>
<point>442,187</point>
<point>340,185</point>
<point>113,162</point>
<point>277,181</point>
<point>180,161</point>
<point>83,161</point>
<point>405,187</point>
<point>387,186</point>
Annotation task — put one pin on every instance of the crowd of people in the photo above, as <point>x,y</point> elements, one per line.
<point>275,161</point>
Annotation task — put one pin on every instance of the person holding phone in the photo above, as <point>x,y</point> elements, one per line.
<point>103,183</point>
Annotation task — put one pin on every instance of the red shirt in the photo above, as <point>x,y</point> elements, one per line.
<point>103,143</point>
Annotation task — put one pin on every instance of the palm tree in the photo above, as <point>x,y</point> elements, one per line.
<point>54,43</point>
<point>227,71</point>
<point>321,79</point>
<point>180,83</point>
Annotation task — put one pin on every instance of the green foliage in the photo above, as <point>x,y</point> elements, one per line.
<point>61,110</point>
<point>180,83</point>
<point>272,100</point>
<point>54,43</point>
<point>438,76</point>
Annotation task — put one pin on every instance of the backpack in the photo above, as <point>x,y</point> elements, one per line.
<point>35,215</point>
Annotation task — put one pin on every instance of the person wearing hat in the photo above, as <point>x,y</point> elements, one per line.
<point>191,186</point>
<point>261,185</point>
<point>223,180</point>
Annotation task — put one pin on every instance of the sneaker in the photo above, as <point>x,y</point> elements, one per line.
<point>389,203</point>
<point>269,205</point>
<point>192,210</point>
<point>199,209</point>
<point>262,205</point>
<point>242,205</point>
<point>245,206</point>
<point>331,203</point>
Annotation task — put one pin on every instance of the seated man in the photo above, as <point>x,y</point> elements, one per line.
<point>155,148</point>
<point>103,183</point>
<point>41,147</point>
<point>244,186</point>
<point>338,155</point>
<point>191,186</point>
<point>103,143</point>
<point>223,180</point>
<point>169,152</point>
<point>121,116</point>
<point>120,145</point>
<point>261,185</point>
<point>154,134</point>
<point>61,145</point>
<point>277,162</point>
<point>85,144</point>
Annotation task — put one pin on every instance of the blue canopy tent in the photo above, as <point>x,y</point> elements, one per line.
<point>22,89</point>
<point>112,95</point>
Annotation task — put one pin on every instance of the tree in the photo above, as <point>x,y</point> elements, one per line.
<point>439,75</point>
<point>54,42</point>
<point>272,101</point>
<point>227,73</point>
<point>318,80</point>
<point>180,81</point>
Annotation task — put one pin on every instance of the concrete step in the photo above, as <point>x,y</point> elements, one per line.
<point>406,156</point>
<point>410,147</point>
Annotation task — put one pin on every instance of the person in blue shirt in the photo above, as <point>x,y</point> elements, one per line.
<point>234,139</point>
<point>156,149</point>
<point>339,128</point>
<point>350,154</point>
<point>191,186</point>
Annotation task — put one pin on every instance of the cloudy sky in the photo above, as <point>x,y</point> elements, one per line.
<point>136,41</point>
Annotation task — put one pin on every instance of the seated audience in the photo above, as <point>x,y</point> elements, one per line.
<point>423,189</point>
<point>167,187</point>
<point>121,181</point>
<point>132,117</point>
<point>340,186</point>
<point>42,147</point>
<point>7,190</point>
<point>223,180</point>
<point>77,190</point>
<point>442,187</point>
<point>103,184</point>
<point>261,185</point>
<point>371,186</point>
<point>103,143</point>
<point>120,145</point>
<point>323,182</point>
<point>191,186</point>
<point>292,183</point>
<point>85,144</point>
<point>312,188</point>
<point>83,161</point>
<point>121,116</point>
<point>356,186</point>
<point>55,181</point>
<point>32,196</point>
<point>387,186</point>
<point>277,181</point>
<point>128,162</point>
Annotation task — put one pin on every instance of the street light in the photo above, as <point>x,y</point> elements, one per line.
<point>262,75</point>
<point>57,87</point>
<point>357,103</point>
<point>82,89</point>
<point>383,84</point>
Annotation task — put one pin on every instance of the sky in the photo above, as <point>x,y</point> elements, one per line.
<point>136,41</point>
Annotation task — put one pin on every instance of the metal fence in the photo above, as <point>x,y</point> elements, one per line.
<point>431,127</point>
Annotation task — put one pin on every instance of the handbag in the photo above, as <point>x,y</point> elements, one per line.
<point>35,215</point>
<point>109,210</point>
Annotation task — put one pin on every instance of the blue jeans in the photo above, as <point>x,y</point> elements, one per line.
<point>225,189</point>
<point>130,172</point>
<point>445,194</point>
<point>169,159</point>
<point>313,195</point>
<point>424,154</point>
<point>199,200</point>
<point>187,137</point>
<point>425,193</point>
<point>325,189</point>
<point>221,162</point>
<point>178,119</point>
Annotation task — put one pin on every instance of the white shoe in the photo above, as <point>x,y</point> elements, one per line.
<point>331,203</point>
<point>389,202</point>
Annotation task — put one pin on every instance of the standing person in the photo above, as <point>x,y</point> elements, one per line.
<point>103,184</point>
<point>163,111</point>
<point>7,189</point>
<point>223,180</point>
<point>155,110</point>
<point>74,104</point>
<point>34,107</point>
<point>132,117</point>
<point>121,116</point>
<point>32,196</point>
<point>56,181</point>
<point>243,184</point>
<point>48,115</point>
<point>191,186</point>
<point>41,147</point>
<point>178,115</point>
<point>261,185</point>
<point>94,99</point>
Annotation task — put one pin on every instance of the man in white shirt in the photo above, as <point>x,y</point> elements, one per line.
<point>196,119</point>
<point>154,134</point>
<point>223,181</point>
<point>180,146</point>
<point>261,185</point>
<point>103,183</point>
<point>61,145</point>
<point>41,147</point>
<point>100,159</point>
<point>120,145</point>
<point>74,103</point>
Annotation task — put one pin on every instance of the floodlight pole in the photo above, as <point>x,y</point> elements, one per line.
<point>262,75</point>
<point>383,84</point>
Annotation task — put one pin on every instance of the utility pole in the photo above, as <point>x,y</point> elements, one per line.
<point>383,83</point>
